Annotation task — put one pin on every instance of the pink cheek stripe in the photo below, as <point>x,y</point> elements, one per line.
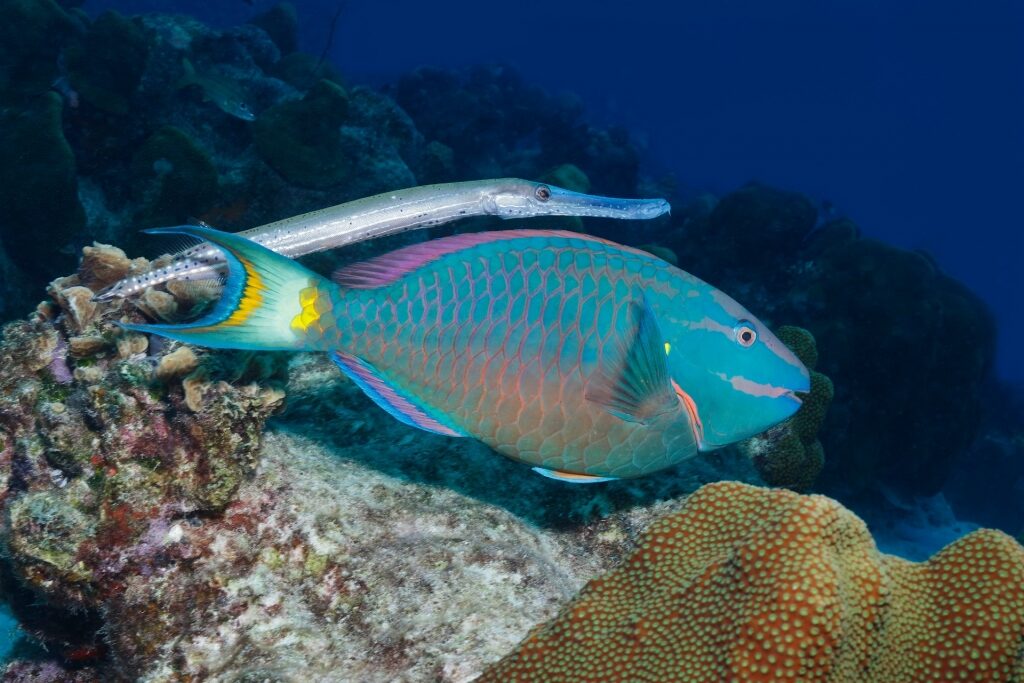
<point>691,409</point>
<point>754,388</point>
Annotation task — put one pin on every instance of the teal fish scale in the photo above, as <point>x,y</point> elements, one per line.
<point>498,340</point>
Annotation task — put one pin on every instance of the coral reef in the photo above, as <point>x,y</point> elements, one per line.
<point>100,443</point>
<point>895,332</point>
<point>899,334</point>
<point>38,185</point>
<point>750,584</point>
<point>174,179</point>
<point>282,25</point>
<point>31,35</point>
<point>790,453</point>
<point>302,140</point>
<point>495,124</point>
<point>105,66</point>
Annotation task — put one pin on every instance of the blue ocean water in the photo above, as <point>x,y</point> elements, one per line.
<point>904,116</point>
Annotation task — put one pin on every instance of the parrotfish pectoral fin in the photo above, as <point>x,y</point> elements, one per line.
<point>570,477</point>
<point>264,295</point>
<point>635,385</point>
<point>403,407</point>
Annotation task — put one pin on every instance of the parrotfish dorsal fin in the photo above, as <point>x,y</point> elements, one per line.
<point>403,408</point>
<point>389,267</point>
<point>571,477</point>
<point>635,385</point>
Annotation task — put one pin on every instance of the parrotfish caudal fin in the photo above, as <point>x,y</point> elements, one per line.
<point>268,301</point>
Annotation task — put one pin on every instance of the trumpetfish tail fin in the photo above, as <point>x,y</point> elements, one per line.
<point>268,301</point>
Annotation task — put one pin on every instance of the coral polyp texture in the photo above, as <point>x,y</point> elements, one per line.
<point>749,584</point>
<point>790,454</point>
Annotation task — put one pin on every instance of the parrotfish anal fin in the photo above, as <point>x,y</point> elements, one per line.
<point>389,267</point>
<point>570,477</point>
<point>403,408</point>
<point>634,385</point>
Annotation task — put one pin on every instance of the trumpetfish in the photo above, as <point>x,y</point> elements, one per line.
<point>390,213</point>
<point>585,359</point>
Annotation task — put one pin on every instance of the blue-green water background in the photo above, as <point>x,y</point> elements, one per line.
<point>906,116</point>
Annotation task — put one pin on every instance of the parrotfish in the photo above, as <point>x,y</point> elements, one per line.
<point>227,94</point>
<point>585,359</point>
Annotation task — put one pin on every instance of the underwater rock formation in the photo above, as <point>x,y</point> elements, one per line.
<point>749,584</point>
<point>895,332</point>
<point>100,445</point>
<point>38,186</point>
<point>173,179</point>
<point>302,140</point>
<point>105,66</point>
<point>899,335</point>
<point>496,124</point>
<point>282,25</point>
<point>31,35</point>
<point>790,454</point>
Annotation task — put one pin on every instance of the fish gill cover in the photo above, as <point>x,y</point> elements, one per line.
<point>176,513</point>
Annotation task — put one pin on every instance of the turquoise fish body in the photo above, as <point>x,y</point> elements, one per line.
<point>581,357</point>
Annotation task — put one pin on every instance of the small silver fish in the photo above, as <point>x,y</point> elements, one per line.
<point>227,94</point>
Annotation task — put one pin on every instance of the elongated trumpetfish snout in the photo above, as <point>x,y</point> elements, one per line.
<point>568,203</point>
<point>265,304</point>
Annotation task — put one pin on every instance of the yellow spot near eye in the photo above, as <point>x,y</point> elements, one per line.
<point>309,314</point>
<point>668,347</point>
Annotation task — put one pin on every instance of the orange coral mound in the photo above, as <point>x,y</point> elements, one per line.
<point>755,585</point>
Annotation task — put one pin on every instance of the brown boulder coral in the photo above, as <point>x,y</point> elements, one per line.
<point>790,454</point>
<point>748,584</point>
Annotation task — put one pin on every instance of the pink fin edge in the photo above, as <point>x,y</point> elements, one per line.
<point>387,268</point>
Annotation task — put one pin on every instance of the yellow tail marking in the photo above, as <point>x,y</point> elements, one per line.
<point>309,314</point>
<point>252,295</point>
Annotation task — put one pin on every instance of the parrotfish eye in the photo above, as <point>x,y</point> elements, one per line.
<point>746,335</point>
<point>542,193</point>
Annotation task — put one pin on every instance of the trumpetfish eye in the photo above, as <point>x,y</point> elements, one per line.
<point>746,335</point>
<point>543,193</point>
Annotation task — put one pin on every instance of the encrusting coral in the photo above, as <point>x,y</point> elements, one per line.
<point>756,585</point>
<point>790,453</point>
<point>103,435</point>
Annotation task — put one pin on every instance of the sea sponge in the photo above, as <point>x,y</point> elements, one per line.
<point>790,453</point>
<point>750,584</point>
